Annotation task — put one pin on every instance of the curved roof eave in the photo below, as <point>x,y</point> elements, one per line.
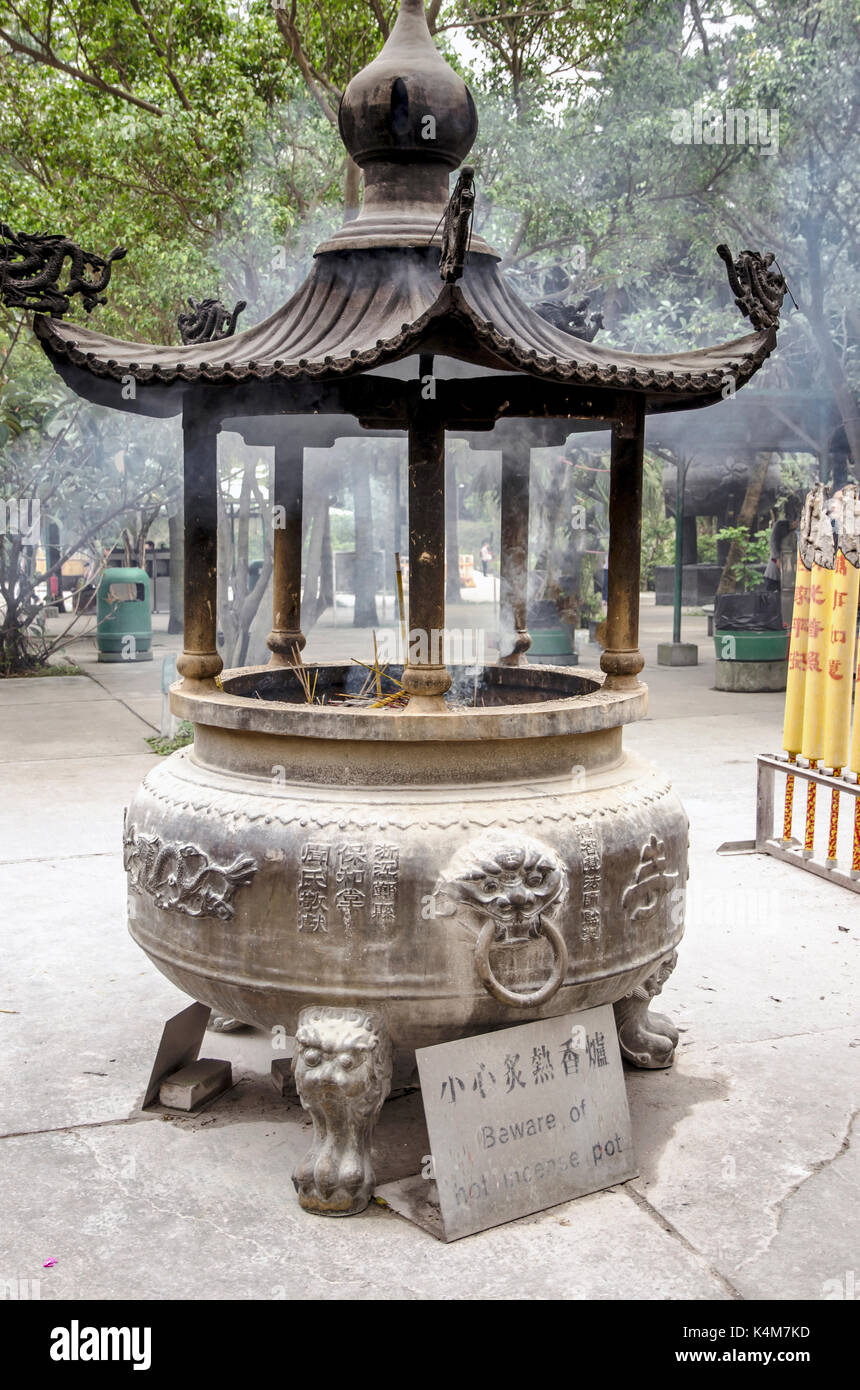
<point>362,311</point>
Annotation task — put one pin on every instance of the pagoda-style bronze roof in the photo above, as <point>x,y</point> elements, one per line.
<point>365,309</point>
<point>374,294</point>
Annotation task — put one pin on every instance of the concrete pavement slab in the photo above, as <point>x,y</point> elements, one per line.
<point>51,810</point>
<point>177,1209</point>
<point>148,710</point>
<point>732,1137</point>
<point>78,729</point>
<point>88,1006</point>
<point>61,691</point>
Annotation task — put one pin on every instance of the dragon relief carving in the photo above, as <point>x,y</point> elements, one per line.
<point>182,878</point>
<point>513,882</point>
<point>758,290</point>
<point>209,320</point>
<point>31,265</point>
<point>570,318</point>
<point>456,226</point>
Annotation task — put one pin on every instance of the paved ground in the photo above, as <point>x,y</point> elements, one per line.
<point>748,1175</point>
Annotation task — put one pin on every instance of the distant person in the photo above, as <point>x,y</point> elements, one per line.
<point>486,557</point>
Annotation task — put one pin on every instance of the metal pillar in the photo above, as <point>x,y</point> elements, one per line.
<point>286,639</point>
<point>514,640</point>
<point>425,676</point>
<point>199,660</point>
<point>622,660</point>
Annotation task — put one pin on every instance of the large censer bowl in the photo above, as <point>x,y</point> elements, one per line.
<point>497,862</point>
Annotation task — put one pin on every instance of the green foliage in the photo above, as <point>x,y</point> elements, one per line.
<point>53,668</point>
<point>751,553</point>
<point>658,529</point>
<point>201,135</point>
<point>707,548</point>
<point>160,744</point>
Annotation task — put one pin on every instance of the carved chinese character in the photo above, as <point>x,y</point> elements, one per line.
<point>382,913</point>
<point>650,882</point>
<point>596,1049</point>
<point>513,1076</point>
<point>542,1068</point>
<point>347,901</point>
<point>383,884</point>
<point>351,864</point>
<point>314,919</point>
<point>589,922</point>
<point>314,870</point>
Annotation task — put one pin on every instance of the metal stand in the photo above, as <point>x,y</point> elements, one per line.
<point>792,851</point>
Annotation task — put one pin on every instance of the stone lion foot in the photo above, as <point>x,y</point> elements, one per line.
<point>342,1069</point>
<point>647,1039</point>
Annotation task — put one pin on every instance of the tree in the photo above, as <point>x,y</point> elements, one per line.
<point>242,496</point>
<point>203,136</point>
<point>58,467</point>
<point>364,555</point>
<point>453,449</point>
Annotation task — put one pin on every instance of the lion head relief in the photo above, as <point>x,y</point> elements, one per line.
<point>513,881</point>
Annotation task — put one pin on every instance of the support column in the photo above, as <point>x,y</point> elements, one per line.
<point>514,640</point>
<point>286,639</point>
<point>425,676</point>
<point>690,549</point>
<point>199,660</point>
<point>622,660</point>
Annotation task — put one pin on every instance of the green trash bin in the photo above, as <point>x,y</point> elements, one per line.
<point>751,646</point>
<point>751,661</point>
<point>124,630</point>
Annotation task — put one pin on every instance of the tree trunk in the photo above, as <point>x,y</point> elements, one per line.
<point>176,532</point>
<point>317,591</point>
<point>225,566</point>
<point>843,395</point>
<point>364,567</point>
<point>452,544</point>
<point>250,608</point>
<point>326,563</point>
<point>690,550</point>
<point>814,313</point>
<point>746,518</point>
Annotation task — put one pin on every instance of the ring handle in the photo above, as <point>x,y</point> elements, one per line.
<point>509,996</point>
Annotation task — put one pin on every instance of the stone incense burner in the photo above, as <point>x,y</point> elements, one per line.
<point>371,878</point>
<point>419,876</point>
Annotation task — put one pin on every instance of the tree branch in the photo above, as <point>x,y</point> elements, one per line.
<point>287,25</point>
<point>49,59</point>
<point>161,53</point>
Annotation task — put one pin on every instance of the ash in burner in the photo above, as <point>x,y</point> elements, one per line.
<point>481,687</point>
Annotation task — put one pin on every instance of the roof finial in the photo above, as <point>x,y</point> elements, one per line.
<point>408,105</point>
